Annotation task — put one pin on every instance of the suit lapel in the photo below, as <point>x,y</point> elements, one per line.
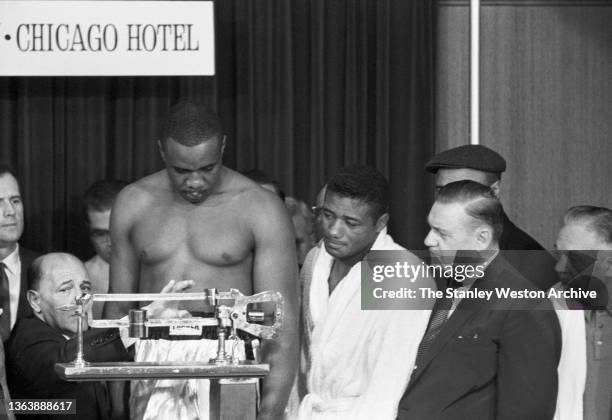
<point>23,307</point>
<point>465,311</point>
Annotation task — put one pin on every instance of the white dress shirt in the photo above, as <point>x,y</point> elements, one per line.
<point>13,271</point>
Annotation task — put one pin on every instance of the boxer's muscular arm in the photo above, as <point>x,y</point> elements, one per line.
<point>123,277</point>
<point>124,264</point>
<point>275,268</point>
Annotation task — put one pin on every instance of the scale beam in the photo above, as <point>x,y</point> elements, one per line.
<point>120,371</point>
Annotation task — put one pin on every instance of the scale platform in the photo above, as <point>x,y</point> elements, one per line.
<point>121,371</point>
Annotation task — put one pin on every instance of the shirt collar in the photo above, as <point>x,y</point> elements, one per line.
<point>490,259</point>
<point>13,262</point>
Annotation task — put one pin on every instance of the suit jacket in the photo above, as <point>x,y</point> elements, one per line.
<point>23,308</point>
<point>527,256</point>
<point>32,352</point>
<point>489,360</point>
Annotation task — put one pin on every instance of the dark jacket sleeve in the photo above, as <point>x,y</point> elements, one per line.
<point>35,348</point>
<point>98,346</point>
<point>529,353</point>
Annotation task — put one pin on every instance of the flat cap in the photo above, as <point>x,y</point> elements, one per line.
<point>473,156</point>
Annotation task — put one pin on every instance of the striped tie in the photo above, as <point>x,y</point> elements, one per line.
<point>439,315</point>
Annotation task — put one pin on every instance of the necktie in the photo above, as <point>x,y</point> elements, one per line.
<point>5,304</point>
<point>439,314</point>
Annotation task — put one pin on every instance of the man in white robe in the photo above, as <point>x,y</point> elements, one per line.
<point>355,363</point>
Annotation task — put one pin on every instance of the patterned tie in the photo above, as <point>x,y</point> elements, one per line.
<point>5,304</point>
<point>439,314</point>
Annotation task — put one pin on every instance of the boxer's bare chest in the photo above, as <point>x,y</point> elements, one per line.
<point>198,242</point>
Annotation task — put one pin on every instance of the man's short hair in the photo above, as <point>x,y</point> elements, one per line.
<point>191,124</point>
<point>480,203</point>
<point>363,183</point>
<point>597,219</point>
<point>101,195</point>
<point>6,168</point>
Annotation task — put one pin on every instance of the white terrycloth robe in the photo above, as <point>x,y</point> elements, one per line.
<point>357,363</point>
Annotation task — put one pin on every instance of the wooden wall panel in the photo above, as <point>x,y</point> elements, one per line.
<point>546,101</point>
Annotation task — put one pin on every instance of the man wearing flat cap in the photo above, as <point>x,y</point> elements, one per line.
<point>485,166</point>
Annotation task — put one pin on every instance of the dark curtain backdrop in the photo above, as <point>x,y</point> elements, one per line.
<point>303,87</point>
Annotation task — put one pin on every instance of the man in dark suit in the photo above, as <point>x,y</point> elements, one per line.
<point>48,337</point>
<point>480,164</point>
<point>26,258</point>
<point>482,358</point>
<point>14,260</point>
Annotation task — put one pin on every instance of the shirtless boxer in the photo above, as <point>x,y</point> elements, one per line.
<point>200,220</point>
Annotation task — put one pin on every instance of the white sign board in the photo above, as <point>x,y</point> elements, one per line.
<point>106,38</point>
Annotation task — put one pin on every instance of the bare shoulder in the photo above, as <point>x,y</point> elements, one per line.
<point>134,198</point>
<point>260,205</point>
